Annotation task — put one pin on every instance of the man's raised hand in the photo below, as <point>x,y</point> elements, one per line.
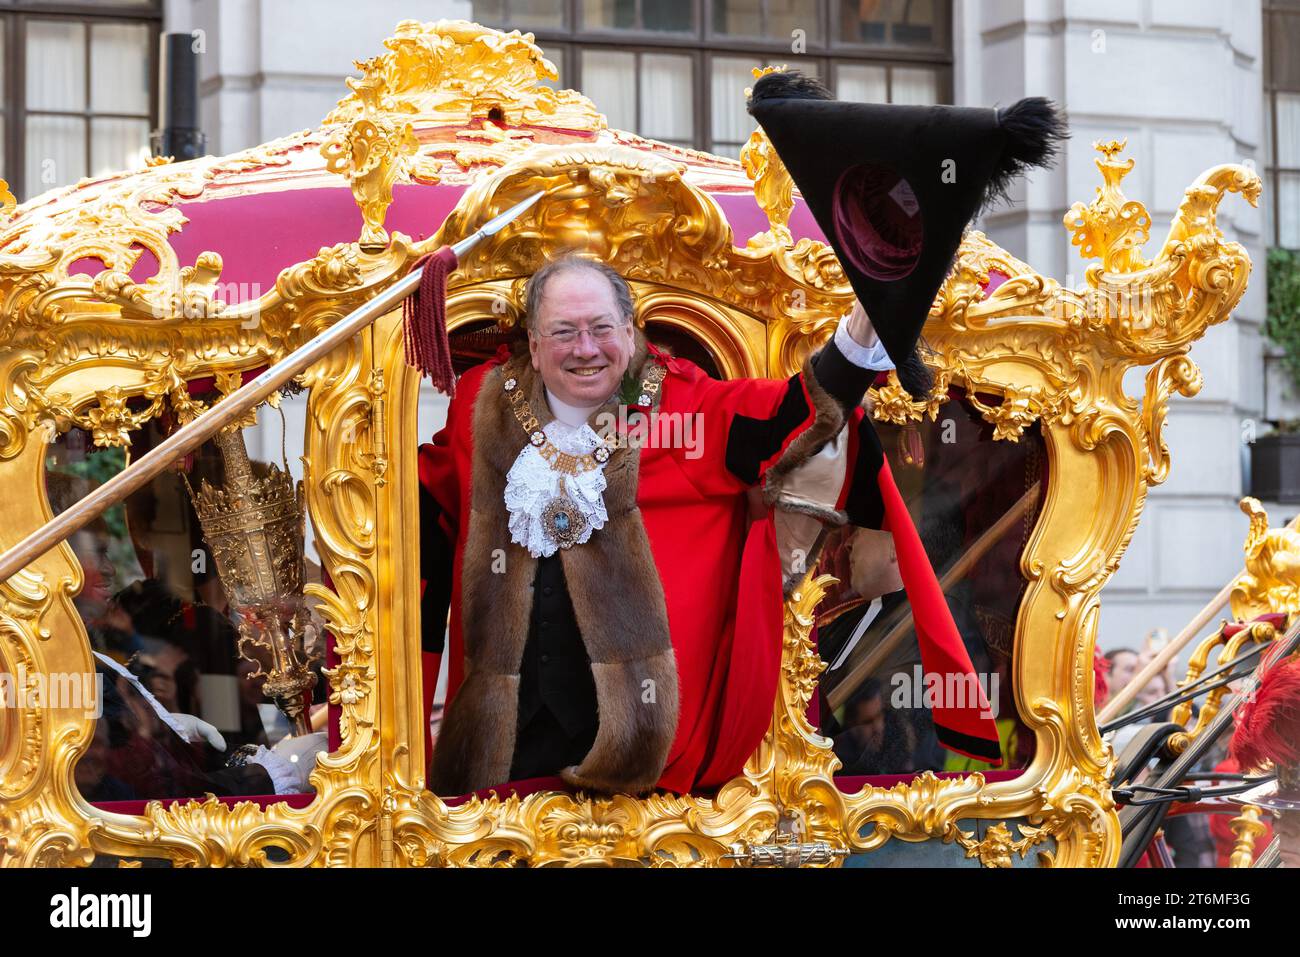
<point>860,327</point>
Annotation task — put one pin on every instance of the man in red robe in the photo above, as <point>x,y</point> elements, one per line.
<point>616,616</point>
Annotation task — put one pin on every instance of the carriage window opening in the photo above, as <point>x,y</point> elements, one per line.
<point>205,689</point>
<point>974,502</point>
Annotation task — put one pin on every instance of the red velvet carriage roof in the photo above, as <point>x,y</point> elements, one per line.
<point>268,208</point>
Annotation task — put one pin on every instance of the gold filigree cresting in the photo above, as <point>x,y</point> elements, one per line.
<point>1271,582</point>
<point>373,151</point>
<point>453,71</point>
<point>1112,228</point>
<point>773,185</point>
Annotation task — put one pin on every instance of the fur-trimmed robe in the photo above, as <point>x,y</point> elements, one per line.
<point>678,598</point>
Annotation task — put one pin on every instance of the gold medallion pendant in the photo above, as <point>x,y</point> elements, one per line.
<point>563,520</point>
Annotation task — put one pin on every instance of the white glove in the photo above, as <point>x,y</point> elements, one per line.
<point>291,761</point>
<point>195,730</point>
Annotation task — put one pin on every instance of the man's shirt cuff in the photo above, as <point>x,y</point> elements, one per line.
<point>867,357</point>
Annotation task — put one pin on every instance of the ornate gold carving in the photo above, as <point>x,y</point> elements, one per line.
<point>1246,829</point>
<point>773,189</point>
<point>334,269</point>
<point>45,821</point>
<point>1073,812</point>
<point>1271,582</point>
<point>1019,409</point>
<point>1111,228</point>
<point>773,186</point>
<point>1131,310</point>
<point>378,416</point>
<point>1269,585</point>
<point>892,403</point>
<point>489,145</point>
<point>999,847</point>
<point>1258,632</point>
<point>576,831</point>
<point>110,421</point>
<point>373,152</point>
<point>114,219</point>
<point>453,71</point>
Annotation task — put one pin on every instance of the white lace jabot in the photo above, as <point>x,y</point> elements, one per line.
<point>531,483</point>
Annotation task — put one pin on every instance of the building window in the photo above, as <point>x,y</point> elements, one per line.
<point>1282,122</point>
<point>905,24</point>
<point>676,70</point>
<point>77,88</point>
<point>657,16</point>
<point>648,91</point>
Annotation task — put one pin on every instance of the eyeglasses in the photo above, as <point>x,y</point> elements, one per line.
<point>600,332</point>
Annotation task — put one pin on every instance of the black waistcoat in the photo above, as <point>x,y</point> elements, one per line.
<point>557,694</point>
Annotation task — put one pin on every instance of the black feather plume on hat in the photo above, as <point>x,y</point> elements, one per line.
<point>1034,130</point>
<point>915,376</point>
<point>787,84</point>
<point>882,182</point>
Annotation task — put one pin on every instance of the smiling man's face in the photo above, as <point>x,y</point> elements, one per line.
<point>584,372</point>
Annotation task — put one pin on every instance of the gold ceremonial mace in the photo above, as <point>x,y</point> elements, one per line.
<point>255,528</point>
<point>224,413</point>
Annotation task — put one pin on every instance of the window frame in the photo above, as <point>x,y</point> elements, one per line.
<point>1273,170</point>
<point>638,50</point>
<point>564,47</point>
<point>16,16</point>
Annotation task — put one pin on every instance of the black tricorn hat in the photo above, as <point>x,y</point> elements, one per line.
<point>894,187</point>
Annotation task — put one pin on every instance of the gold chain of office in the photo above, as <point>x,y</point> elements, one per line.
<point>565,462</point>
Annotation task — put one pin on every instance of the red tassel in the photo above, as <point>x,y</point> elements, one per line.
<point>1268,727</point>
<point>424,318</point>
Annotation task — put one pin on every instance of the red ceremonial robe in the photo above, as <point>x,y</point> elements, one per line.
<point>720,572</point>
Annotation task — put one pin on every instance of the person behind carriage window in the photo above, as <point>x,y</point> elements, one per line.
<point>876,739</point>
